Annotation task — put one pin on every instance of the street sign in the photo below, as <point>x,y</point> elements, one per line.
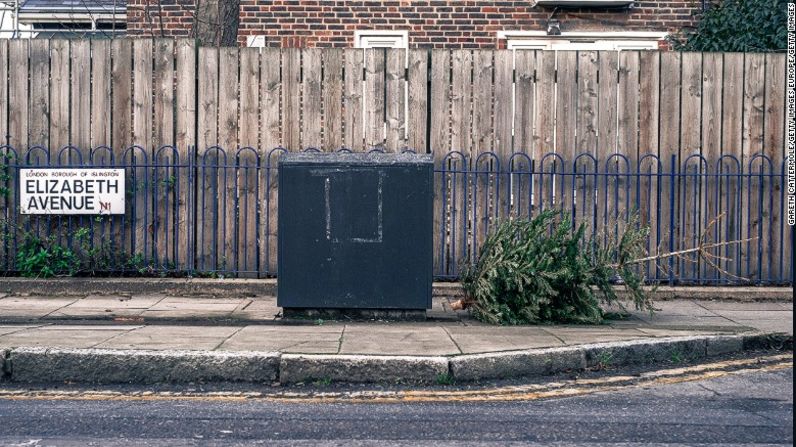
<point>91,191</point>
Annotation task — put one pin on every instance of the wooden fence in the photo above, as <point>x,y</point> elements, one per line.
<point>160,92</point>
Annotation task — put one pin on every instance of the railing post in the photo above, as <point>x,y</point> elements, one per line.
<point>672,198</point>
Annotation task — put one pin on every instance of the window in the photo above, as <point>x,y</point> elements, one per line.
<point>618,41</point>
<point>381,39</point>
<point>255,41</point>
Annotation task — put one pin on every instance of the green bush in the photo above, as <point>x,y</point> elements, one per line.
<point>542,270</point>
<point>44,258</point>
<point>738,25</point>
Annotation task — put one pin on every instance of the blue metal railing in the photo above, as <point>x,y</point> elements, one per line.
<point>214,211</point>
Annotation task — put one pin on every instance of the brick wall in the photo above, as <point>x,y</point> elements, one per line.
<point>431,23</point>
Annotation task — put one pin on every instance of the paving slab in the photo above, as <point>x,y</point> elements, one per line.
<point>781,326</point>
<point>398,339</point>
<point>15,328</point>
<point>179,307</point>
<point>260,308</point>
<point>592,334</point>
<point>105,305</point>
<point>62,336</point>
<point>158,337</point>
<point>476,339</point>
<point>758,315</point>
<point>732,305</point>
<point>294,339</point>
<point>690,321</point>
<point>659,332</point>
<point>34,307</point>
<point>681,307</point>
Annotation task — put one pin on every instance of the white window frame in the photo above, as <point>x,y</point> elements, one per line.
<point>257,41</point>
<point>381,39</point>
<point>582,40</point>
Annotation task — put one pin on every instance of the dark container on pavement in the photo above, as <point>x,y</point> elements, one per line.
<point>355,231</point>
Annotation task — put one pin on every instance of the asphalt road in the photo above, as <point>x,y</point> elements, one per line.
<point>752,408</point>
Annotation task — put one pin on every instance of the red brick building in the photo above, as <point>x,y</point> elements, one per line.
<point>552,24</point>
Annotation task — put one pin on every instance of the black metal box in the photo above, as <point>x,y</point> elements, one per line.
<point>355,231</point>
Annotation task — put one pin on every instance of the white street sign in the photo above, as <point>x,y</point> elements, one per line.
<point>71,191</point>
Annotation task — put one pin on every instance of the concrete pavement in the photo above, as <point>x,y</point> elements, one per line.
<point>92,329</point>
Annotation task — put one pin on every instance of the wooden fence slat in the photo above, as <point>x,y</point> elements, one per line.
<point>354,97</point>
<point>142,136</point>
<point>4,92</point>
<point>779,260</point>
<point>566,106</point>
<point>18,57</point>
<point>754,98</point>
<point>164,188</point>
<point>544,110</point>
<point>185,139</point>
<point>586,116</point>
<point>627,108</point>
<point>711,105</point>
<point>503,105</point>
<point>440,96</point>
<point>649,102</point>
<point>121,85</point>
<point>228,140</point>
<point>692,203</point>
<point>483,128</point>
<point>670,92</point>
<point>375,61</point>
<point>312,102</point>
<point>587,102</point>
<point>228,101</point>
<point>80,56</point>
<point>669,133</point>
<point>333,64</point>
<point>247,175</point>
<point>100,93</point>
<point>143,51</point>
<point>185,134</point>
<point>249,121</point>
<point>774,114</point>
<point>690,112</point>
<point>395,107</point>
<point>732,146</point>
<point>121,128</point>
<point>6,158</point>
<point>453,204</point>
<point>756,224</point>
<point>566,121</point>
<point>39,109</point>
<point>270,93</point>
<point>163,86</point>
<point>291,98</point>
<point>711,145</point>
<point>440,144</point>
<point>461,101</point>
<point>524,67</point>
<point>417,124</point>
<point>524,91</point>
<point>486,180</point>
<point>207,209</point>
<point>59,93</point>
<point>608,100</point>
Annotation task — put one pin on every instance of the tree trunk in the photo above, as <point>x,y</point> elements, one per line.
<point>216,22</point>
